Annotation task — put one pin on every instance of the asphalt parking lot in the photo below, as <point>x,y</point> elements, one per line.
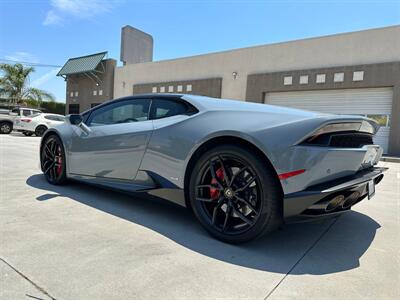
<point>79,242</point>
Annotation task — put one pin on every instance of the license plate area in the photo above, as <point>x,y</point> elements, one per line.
<point>371,189</point>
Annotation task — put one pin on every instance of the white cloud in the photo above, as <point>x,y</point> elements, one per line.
<point>45,78</point>
<point>81,9</point>
<point>22,56</point>
<point>52,18</point>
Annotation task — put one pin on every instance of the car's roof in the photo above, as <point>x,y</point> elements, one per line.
<point>204,103</point>
<point>49,114</point>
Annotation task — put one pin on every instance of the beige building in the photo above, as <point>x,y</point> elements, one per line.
<point>350,73</point>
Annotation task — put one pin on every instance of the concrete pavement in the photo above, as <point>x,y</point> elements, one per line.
<point>80,242</point>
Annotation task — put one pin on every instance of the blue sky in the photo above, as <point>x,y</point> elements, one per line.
<point>51,31</point>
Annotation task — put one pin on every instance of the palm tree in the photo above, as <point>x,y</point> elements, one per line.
<point>14,85</point>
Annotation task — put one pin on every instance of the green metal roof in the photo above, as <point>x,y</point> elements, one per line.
<point>81,64</point>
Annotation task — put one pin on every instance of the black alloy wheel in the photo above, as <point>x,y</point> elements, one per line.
<point>5,127</point>
<point>234,194</point>
<point>40,130</point>
<point>53,160</point>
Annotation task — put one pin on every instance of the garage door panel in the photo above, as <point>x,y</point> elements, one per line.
<point>366,101</point>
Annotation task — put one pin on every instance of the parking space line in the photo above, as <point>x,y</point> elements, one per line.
<point>301,258</point>
<point>40,289</point>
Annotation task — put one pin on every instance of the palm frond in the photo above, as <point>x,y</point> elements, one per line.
<point>14,80</point>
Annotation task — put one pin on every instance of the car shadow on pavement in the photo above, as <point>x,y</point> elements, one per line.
<point>338,250</point>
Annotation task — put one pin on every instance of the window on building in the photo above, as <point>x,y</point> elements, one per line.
<point>94,93</point>
<point>320,78</point>
<point>188,88</point>
<point>358,76</point>
<point>338,77</point>
<point>76,94</point>
<point>170,89</point>
<point>73,109</point>
<point>163,108</point>
<point>71,94</point>
<point>121,112</point>
<point>100,92</point>
<point>287,80</point>
<point>382,120</point>
<point>303,79</point>
<point>179,88</point>
<point>154,89</point>
<point>162,89</point>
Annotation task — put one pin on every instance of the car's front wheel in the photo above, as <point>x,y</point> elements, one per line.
<point>52,159</point>
<point>6,127</point>
<point>235,194</point>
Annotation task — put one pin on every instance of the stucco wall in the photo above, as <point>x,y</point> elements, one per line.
<point>363,47</point>
<point>85,86</point>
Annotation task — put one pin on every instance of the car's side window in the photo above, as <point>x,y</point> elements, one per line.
<point>127,111</point>
<point>52,118</point>
<point>163,108</point>
<point>26,112</point>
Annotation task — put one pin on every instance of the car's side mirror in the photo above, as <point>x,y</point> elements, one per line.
<point>75,119</point>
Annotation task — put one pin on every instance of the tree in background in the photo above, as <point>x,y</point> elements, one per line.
<point>14,81</point>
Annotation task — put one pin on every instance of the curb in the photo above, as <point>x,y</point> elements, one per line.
<point>391,159</point>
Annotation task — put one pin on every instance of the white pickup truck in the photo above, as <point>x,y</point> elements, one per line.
<point>7,117</point>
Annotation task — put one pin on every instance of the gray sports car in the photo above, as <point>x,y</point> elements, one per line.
<point>242,168</point>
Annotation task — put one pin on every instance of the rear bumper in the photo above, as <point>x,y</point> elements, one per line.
<point>310,202</point>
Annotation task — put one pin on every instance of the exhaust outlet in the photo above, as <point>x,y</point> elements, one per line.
<point>350,200</point>
<point>378,179</point>
<point>334,203</point>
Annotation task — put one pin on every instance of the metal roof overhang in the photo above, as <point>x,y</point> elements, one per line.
<point>85,65</point>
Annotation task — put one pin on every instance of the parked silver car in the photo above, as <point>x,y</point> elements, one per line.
<point>7,117</point>
<point>242,168</point>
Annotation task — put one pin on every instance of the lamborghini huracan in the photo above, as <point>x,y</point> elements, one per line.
<point>242,168</point>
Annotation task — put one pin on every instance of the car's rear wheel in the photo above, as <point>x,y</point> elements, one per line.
<point>40,130</point>
<point>235,194</point>
<point>27,133</point>
<point>53,160</point>
<point>5,127</point>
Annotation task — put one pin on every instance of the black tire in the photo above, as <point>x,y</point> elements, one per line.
<point>40,130</point>
<point>52,160</point>
<point>238,207</point>
<point>27,133</point>
<point>6,127</point>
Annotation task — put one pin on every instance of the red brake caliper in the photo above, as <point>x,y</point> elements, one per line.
<point>59,161</point>
<point>214,193</point>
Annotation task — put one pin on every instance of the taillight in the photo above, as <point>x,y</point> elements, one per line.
<point>26,120</point>
<point>361,126</point>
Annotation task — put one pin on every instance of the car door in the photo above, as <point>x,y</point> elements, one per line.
<point>114,145</point>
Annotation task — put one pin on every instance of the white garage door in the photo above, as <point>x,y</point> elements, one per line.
<point>375,103</point>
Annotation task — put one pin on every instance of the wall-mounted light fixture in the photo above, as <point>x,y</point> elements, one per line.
<point>234,74</point>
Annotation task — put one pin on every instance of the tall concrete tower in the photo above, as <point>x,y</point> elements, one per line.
<point>136,46</point>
